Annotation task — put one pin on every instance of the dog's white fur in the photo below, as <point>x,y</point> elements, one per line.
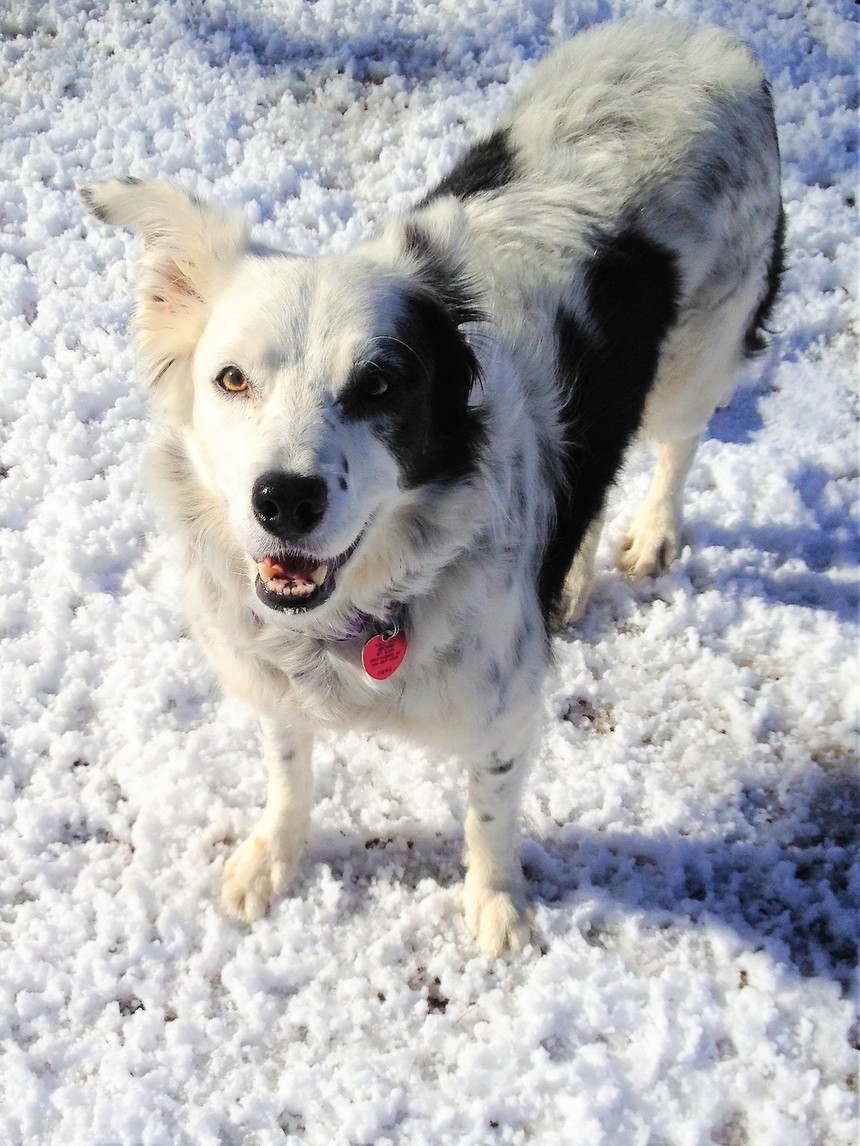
<point>626,121</point>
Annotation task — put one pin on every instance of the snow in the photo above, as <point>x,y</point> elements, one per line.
<point>690,826</point>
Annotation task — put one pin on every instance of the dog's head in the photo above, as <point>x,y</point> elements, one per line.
<point>313,397</point>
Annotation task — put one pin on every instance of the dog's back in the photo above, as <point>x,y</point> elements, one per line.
<point>626,216</point>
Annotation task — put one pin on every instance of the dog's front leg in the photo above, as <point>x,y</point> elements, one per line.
<point>495,898</point>
<point>263,866</point>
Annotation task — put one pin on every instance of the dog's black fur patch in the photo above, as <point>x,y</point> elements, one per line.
<point>424,417</point>
<point>633,289</point>
<point>488,165</point>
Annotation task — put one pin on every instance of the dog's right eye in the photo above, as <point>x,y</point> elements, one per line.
<point>232,380</point>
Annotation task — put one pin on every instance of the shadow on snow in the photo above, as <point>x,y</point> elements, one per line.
<point>787,884</point>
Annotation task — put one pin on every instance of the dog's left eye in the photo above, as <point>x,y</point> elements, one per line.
<point>232,380</point>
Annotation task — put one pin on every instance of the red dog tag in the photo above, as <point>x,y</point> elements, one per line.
<point>383,655</point>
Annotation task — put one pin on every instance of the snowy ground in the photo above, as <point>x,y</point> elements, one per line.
<point>690,826</point>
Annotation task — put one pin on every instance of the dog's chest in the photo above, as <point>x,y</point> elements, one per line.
<point>444,686</point>
<point>374,682</point>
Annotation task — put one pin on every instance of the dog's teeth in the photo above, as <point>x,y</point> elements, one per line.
<point>319,574</point>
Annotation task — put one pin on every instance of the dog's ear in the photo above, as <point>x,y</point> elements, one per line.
<point>431,245</point>
<point>429,248</point>
<point>190,249</point>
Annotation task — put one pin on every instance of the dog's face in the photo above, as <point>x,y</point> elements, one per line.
<point>320,398</point>
<point>313,395</point>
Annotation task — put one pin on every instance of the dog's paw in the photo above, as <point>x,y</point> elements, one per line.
<point>499,918</point>
<point>258,872</point>
<point>649,548</point>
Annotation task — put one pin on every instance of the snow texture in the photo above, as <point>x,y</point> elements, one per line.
<point>690,833</point>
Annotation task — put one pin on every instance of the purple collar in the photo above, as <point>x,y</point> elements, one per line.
<point>377,626</point>
<point>362,623</point>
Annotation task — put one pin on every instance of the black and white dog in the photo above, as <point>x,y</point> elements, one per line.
<point>388,468</point>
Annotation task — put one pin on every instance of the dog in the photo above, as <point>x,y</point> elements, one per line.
<point>387,469</point>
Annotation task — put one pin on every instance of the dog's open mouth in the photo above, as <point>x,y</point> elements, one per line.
<point>294,581</point>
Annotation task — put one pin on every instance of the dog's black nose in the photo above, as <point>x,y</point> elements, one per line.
<point>289,505</point>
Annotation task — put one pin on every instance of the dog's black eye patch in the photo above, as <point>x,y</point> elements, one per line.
<point>414,389</point>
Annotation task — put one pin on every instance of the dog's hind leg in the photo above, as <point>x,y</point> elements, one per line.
<point>697,374</point>
<point>579,582</point>
<point>261,869</point>
<point>652,543</point>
